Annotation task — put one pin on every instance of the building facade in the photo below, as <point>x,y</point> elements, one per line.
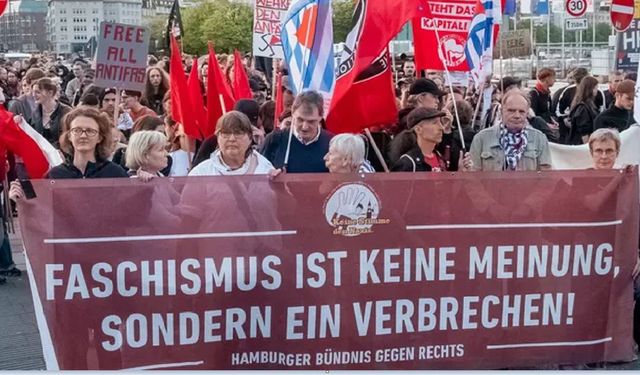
<point>22,27</point>
<point>73,24</point>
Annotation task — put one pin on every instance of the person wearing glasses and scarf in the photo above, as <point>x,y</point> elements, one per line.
<point>512,144</point>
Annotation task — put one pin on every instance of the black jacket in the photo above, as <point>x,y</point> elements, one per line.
<point>451,146</point>
<point>582,118</point>
<point>412,161</point>
<point>55,125</point>
<point>101,169</point>
<point>615,118</point>
<point>541,104</point>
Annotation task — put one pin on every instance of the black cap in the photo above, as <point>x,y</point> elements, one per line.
<point>250,108</point>
<point>420,114</point>
<point>425,85</point>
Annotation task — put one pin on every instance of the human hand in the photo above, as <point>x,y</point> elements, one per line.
<point>144,176</point>
<point>465,164</point>
<point>16,193</point>
<point>275,173</point>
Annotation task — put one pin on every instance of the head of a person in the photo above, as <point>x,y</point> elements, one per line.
<point>604,146</point>
<point>426,123</point>
<point>625,94</point>
<point>90,99</point>
<point>234,134</point>
<point>409,68</point>
<point>131,98</point>
<point>509,83</point>
<point>204,74</point>
<point>346,153</point>
<point>149,123</point>
<point>515,109</point>
<point>44,90</point>
<point>78,70</point>
<point>117,137</point>
<point>266,116</point>
<point>12,77</point>
<point>425,93</point>
<point>465,113</point>
<point>632,76</point>
<point>307,113</point>
<point>615,77</point>
<point>86,130</point>
<point>146,151</point>
<point>156,80</point>
<point>287,93</point>
<point>547,77</point>
<point>30,77</point>
<point>250,108</point>
<point>586,91</point>
<point>579,74</point>
<point>166,103</point>
<point>3,74</point>
<point>108,99</point>
<point>88,77</point>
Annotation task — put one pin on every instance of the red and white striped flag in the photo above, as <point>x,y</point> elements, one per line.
<point>24,141</point>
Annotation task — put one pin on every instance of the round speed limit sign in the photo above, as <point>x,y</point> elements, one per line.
<point>576,8</point>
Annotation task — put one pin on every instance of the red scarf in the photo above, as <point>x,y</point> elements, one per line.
<point>541,89</point>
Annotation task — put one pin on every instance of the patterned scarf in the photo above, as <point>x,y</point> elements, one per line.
<point>513,145</point>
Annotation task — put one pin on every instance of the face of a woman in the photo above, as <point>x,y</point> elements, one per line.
<point>41,96</point>
<point>84,134</point>
<point>233,145</point>
<point>26,89</point>
<point>604,154</point>
<point>155,159</point>
<point>155,78</point>
<point>336,162</point>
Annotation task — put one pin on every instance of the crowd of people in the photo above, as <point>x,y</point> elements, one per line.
<point>439,127</point>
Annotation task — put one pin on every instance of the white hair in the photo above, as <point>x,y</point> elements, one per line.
<point>140,144</point>
<point>351,146</point>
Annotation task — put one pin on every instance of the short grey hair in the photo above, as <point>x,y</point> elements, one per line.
<point>604,134</point>
<point>140,144</point>
<point>351,146</point>
<point>516,92</point>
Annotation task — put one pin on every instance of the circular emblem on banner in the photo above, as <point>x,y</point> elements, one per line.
<point>451,50</point>
<point>576,8</point>
<point>621,14</point>
<point>352,209</point>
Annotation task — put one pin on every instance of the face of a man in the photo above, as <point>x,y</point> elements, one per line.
<point>624,101</point>
<point>614,81</point>
<point>78,71</point>
<point>306,122</point>
<point>12,79</point>
<point>109,102</point>
<point>514,112</point>
<point>155,78</point>
<point>409,69</point>
<point>604,154</point>
<point>128,102</point>
<point>430,130</point>
<point>550,81</point>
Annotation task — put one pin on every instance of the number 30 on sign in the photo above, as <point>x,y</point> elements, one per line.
<point>576,8</point>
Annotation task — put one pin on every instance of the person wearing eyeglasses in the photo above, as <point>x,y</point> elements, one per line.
<point>86,142</point>
<point>234,155</point>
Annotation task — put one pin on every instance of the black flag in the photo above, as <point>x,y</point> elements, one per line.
<point>174,24</point>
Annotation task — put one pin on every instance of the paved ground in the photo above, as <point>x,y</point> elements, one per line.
<point>19,339</point>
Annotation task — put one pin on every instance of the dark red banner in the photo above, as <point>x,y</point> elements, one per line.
<point>399,271</point>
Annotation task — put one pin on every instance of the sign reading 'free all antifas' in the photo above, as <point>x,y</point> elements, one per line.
<point>334,272</point>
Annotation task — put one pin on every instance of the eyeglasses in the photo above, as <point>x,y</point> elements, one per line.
<point>79,131</point>
<point>228,135</point>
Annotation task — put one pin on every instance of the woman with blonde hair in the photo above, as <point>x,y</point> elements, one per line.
<point>146,154</point>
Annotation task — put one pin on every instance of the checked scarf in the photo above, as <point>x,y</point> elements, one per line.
<point>513,145</point>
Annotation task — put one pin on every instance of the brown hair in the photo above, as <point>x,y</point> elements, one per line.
<point>626,87</point>
<point>545,73</point>
<point>309,99</point>
<point>33,75</point>
<point>103,148</point>
<point>147,122</point>
<point>584,93</point>
<point>46,84</point>
<point>234,122</point>
<point>148,88</point>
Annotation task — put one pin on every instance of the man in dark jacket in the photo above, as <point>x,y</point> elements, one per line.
<point>620,115</point>
<point>615,77</point>
<point>541,95</point>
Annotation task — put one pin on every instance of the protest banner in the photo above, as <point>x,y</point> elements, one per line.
<point>402,271</point>
<point>121,60</point>
<point>628,48</point>
<point>451,18</point>
<point>267,20</point>
<point>515,43</point>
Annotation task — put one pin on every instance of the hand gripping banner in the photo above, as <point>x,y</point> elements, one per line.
<point>401,271</point>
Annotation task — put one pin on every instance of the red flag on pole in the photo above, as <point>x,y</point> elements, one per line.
<point>197,101</point>
<point>217,78</point>
<point>215,101</point>
<point>181,107</point>
<point>241,88</point>
<point>365,48</point>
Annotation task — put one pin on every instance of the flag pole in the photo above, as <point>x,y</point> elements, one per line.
<point>116,109</point>
<point>376,150</point>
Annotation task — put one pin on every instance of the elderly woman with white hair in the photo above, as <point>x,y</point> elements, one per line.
<point>146,154</point>
<point>347,155</point>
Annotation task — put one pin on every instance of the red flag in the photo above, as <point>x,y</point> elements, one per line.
<point>199,112</point>
<point>279,100</point>
<point>370,101</point>
<point>181,107</point>
<point>24,141</point>
<point>214,98</point>
<point>217,78</point>
<point>365,47</point>
<point>241,88</point>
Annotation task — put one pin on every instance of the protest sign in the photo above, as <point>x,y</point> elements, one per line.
<point>267,20</point>
<point>401,271</point>
<point>516,43</point>
<point>451,18</point>
<point>628,48</point>
<point>121,60</point>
